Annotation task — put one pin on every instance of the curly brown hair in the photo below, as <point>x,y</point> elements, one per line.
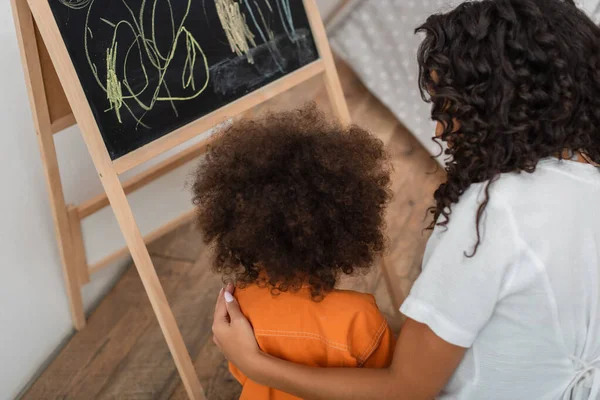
<point>293,198</point>
<point>521,77</point>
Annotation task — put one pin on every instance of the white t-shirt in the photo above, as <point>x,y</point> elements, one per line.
<point>527,305</point>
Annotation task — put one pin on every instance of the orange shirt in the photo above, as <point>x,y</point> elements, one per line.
<point>345,329</point>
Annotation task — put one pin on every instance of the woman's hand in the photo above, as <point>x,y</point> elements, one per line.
<point>232,332</point>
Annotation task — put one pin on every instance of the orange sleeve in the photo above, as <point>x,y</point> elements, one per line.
<point>237,374</point>
<point>381,356</point>
<point>373,340</point>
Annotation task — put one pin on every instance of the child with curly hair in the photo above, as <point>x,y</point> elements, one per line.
<point>289,203</point>
<point>508,302</point>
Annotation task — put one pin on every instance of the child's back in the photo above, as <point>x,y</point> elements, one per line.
<point>345,329</point>
<point>289,203</point>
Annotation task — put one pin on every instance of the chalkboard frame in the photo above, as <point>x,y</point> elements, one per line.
<point>139,93</point>
<point>30,15</point>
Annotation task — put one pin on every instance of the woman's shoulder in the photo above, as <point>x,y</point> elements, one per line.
<point>512,191</point>
<point>523,207</point>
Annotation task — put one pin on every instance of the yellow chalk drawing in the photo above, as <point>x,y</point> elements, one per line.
<point>76,4</point>
<point>172,19</point>
<point>140,52</point>
<point>113,86</point>
<point>134,49</point>
<point>270,32</point>
<point>106,22</point>
<point>238,33</point>
<point>269,5</point>
<point>270,45</point>
<point>240,37</point>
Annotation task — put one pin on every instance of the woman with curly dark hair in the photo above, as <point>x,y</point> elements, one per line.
<point>289,203</point>
<point>508,303</point>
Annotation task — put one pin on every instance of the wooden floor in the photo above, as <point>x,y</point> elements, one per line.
<point>121,354</point>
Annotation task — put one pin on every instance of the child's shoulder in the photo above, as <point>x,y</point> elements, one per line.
<point>360,309</point>
<point>351,298</point>
<point>335,298</point>
<point>344,303</point>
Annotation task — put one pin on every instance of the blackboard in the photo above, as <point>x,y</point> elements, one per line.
<point>148,67</point>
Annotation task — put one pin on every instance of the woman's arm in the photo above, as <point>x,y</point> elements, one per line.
<point>422,365</point>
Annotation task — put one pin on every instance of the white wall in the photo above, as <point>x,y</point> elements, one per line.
<point>34,312</point>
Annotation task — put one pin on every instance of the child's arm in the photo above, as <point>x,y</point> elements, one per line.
<point>422,364</point>
<point>237,374</point>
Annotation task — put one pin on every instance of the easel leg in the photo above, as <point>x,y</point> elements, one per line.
<point>35,87</point>
<point>156,294</point>
<point>77,246</point>
<point>336,95</point>
<point>332,81</point>
<point>63,229</point>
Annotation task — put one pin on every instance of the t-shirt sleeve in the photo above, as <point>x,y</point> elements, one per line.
<point>456,295</point>
<point>372,341</point>
<point>382,354</point>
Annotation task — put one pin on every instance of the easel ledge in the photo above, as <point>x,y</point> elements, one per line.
<point>57,102</point>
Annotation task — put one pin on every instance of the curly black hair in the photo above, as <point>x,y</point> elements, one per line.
<point>293,198</point>
<point>512,82</point>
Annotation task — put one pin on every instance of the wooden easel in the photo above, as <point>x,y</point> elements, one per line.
<point>58,101</point>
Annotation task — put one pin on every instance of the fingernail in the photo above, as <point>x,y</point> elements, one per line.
<point>220,291</point>
<point>228,297</point>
